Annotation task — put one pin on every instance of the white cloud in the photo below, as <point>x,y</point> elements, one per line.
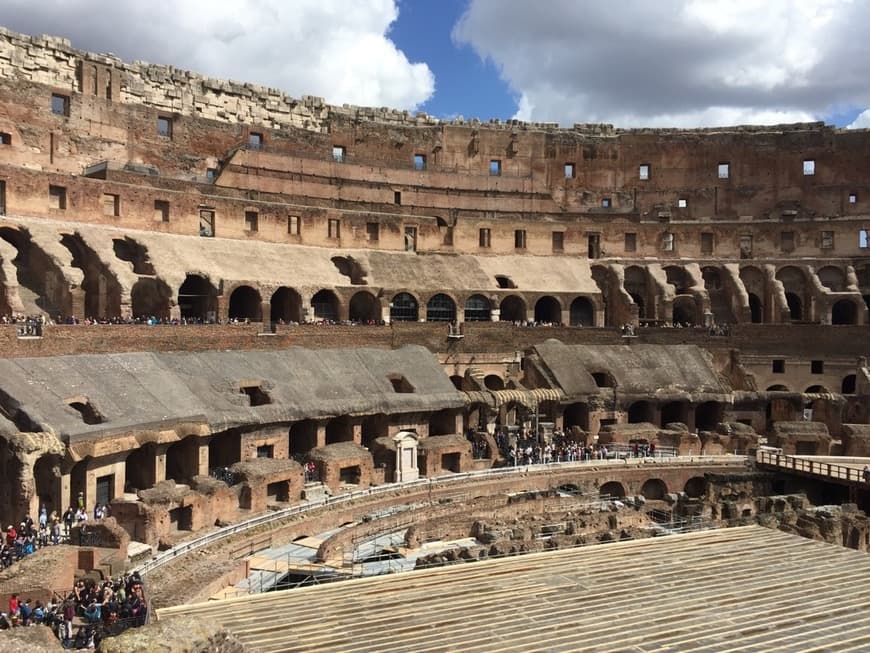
<point>675,62</point>
<point>332,48</point>
<point>862,121</point>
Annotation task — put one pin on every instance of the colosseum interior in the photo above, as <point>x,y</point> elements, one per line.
<point>342,333</point>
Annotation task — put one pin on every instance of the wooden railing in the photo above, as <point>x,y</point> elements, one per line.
<point>807,466</point>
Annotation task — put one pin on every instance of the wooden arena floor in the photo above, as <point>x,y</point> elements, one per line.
<point>739,589</point>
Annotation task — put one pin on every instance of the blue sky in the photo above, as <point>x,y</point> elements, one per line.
<point>631,63</point>
<point>465,85</point>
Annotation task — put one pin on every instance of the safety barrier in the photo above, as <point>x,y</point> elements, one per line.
<point>280,515</point>
<point>809,466</point>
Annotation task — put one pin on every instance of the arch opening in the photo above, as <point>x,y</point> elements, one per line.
<point>755,309</point>
<point>685,310</point>
<point>150,298</point>
<point>548,310</point>
<point>795,306</point>
<point>674,411</point>
<point>654,489</point>
<point>404,308</point>
<point>613,489</point>
<point>197,299</point>
<point>440,308</point>
<point>285,306</point>
<point>641,411</point>
<point>708,415</point>
<point>493,382</point>
<point>477,309</point>
<point>303,438</point>
<point>364,308</point>
<point>695,487</point>
<point>582,312</point>
<point>512,309</point>
<point>844,312</point>
<point>246,304</point>
<point>324,306</point>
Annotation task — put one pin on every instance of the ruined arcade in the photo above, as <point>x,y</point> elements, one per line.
<point>238,302</point>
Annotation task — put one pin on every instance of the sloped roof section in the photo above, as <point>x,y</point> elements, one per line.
<point>145,390</point>
<point>654,370</point>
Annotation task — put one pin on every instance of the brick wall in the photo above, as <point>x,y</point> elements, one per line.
<point>799,341</point>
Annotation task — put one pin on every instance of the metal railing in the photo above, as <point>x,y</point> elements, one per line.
<point>280,515</point>
<point>807,466</point>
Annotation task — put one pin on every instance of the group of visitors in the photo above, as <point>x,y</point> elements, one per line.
<point>85,615</point>
<point>48,530</point>
<point>548,453</point>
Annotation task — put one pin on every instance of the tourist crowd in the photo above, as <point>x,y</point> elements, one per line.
<point>82,617</point>
<point>48,530</point>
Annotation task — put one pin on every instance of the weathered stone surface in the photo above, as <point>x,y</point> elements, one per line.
<point>36,639</point>
<point>175,635</point>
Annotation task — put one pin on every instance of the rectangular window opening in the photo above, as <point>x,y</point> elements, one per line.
<point>817,367</point>
<point>605,202</point>
<point>630,242</point>
<point>161,211</point>
<point>809,167</point>
<point>339,153</point>
<point>495,167</point>
<point>397,198</point>
<point>293,225</point>
<point>410,239</point>
<point>706,242</point>
<point>255,141</point>
<point>827,240</point>
<point>206,223</point>
<point>60,104</point>
<point>668,242</point>
<point>778,366</point>
<point>5,139</point>
<point>419,162</point>
<point>2,197</point>
<point>334,228</point>
<point>252,221</point>
<point>57,197</point>
<point>211,173</point>
<point>724,170</point>
<point>111,204</point>
<point>519,238</point>
<point>593,245</point>
<point>746,246</point>
<point>164,127</point>
<point>373,231</point>
<point>864,239</point>
<point>682,203</point>
<point>853,198</point>
<point>484,237</point>
<point>558,241</point>
<point>643,172</point>
<point>256,395</point>
<point>266,451</point>
<point>569,171</point>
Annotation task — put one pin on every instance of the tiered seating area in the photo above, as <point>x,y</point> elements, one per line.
<point>739,589</point>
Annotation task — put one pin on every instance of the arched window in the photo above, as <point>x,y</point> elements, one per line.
<point>477,309</point>
<point>440,309</point>
<point>404,308</point>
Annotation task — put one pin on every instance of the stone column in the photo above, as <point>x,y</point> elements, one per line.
<point>203,457</point>
<point>266,312</point>
<point>160,463</point>
<point>321,434</point>
<point>77,308</point>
